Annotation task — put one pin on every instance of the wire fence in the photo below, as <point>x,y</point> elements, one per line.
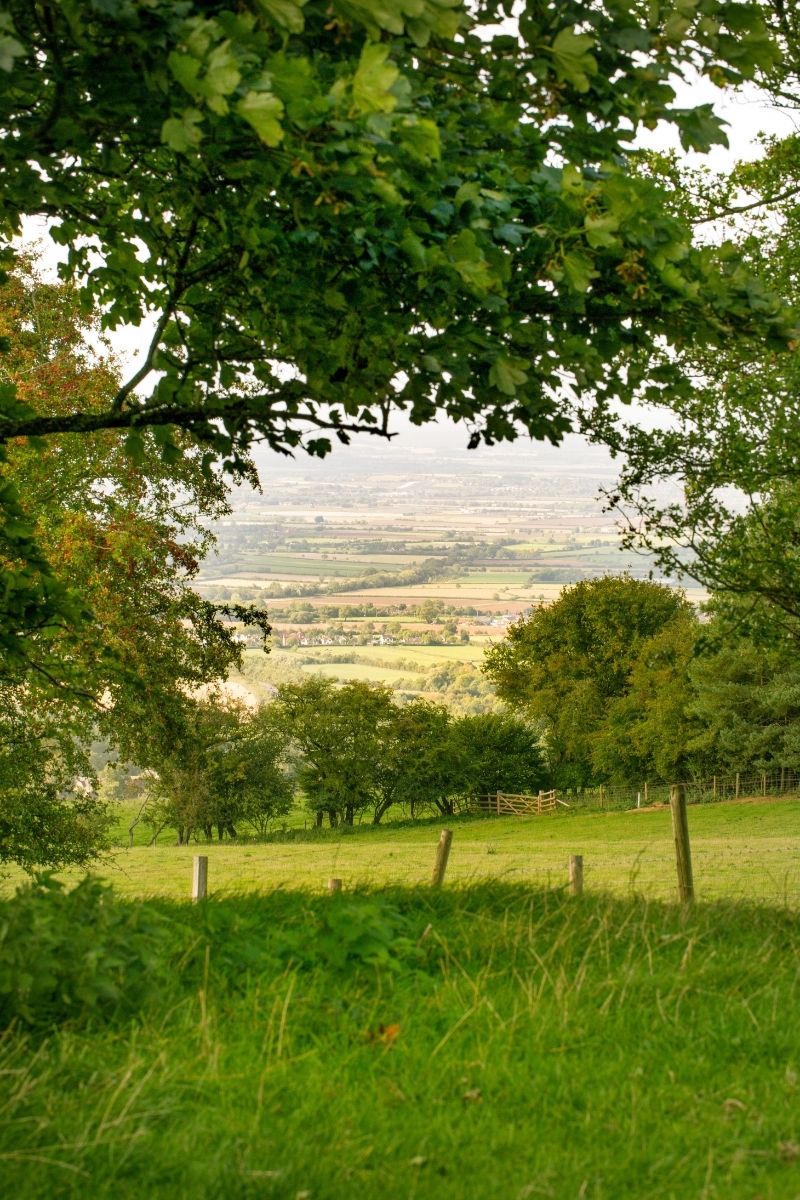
<point>781,781</point>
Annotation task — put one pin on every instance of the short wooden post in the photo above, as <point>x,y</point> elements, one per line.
<point>736,793</point>
<point>199,878</point>
<point>645,791</point>
<point>683,853</point>
<point>714,787</point>
<point>442,855</point>
<point>497,803</point>
<point>575,874</point>
<point>334,885</point>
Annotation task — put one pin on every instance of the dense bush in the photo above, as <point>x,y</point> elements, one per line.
<point>81,957</point>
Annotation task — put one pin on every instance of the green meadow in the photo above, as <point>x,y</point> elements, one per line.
<point>740,851</point>
<point>495,1038</point>
<point>475,1043</point>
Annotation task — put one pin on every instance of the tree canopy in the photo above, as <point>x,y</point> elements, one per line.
<point>330,210</point>
<point>728,452</point>
<point>569,665</point>
<point>122,544</point>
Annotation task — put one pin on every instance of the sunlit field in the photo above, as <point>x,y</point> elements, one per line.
<point>741,851</point>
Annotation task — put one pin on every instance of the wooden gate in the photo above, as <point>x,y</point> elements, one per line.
<point>519,804</point>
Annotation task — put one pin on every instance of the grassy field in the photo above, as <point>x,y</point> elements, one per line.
<point>364,671</point>
<point>423,657</point>
<point>479,1043</point>
<point>747,851</point>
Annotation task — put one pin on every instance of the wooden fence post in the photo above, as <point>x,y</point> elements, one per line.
<point>334,885</point>
<point>442,855</point>
<point>199,878</point>
<point>576,874</point>
<point>683,853</point>
<point>736,794</point>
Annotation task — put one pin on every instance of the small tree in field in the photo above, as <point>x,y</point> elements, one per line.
<point>339,735</point>
<point>566,664</point>
<point>420,766</point>
<point>499,752</point>
<point>227,767</point>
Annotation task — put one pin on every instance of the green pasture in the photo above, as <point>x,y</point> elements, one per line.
<point>472,1043</point>
<point>421,656</point>
<point>295,564</point>
<point>740,852</point>
<point>362,671</point>
<point>511,578</point>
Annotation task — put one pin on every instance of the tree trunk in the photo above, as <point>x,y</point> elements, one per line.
<point>319,816</point>
<point>348,814</point>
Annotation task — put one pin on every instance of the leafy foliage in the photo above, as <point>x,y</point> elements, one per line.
<point>119,542</point>
<point>501,753</point>
<point>730,513</point>
<point>570,664</point>
<point>77,956</point>
<point>228,765</point>
<point>338,734</point>
<point>371,208</point>
<point>80,957</point>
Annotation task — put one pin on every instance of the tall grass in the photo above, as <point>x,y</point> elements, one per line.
<point>480,1042</point>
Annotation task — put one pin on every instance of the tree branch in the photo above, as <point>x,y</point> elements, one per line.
<point>741,208</point>
<point>169,310</point>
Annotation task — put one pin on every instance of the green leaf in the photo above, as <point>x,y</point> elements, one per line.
<point>572,58</point>
<point>134,446</point>
<point>414,250</point>
<point>469,261</point>
<point>468,193</point>
<point>374,79</point>
<point>421,139</point>
<point>183,133</point>
<point>579,270</point>
<point>222,77</point>
<point>286,14</point>
<point>186,69</point>
<point>512,232</point>
<point>294,80</point>
<point>601,231</point>
<point>676,26</point>
<point>506,374</point>
<point>700,128</point>
<point>10,49</point>
<point>263,111</point>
